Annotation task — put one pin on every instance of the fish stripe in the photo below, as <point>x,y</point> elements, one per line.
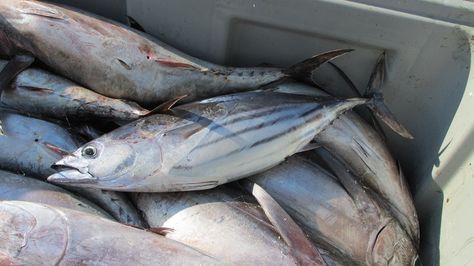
<point>262,125</point>
<point>263,141</point>
<point>256,127</point>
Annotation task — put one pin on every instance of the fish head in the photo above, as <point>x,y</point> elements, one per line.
<point>108,163</point>
<point>393,246</point>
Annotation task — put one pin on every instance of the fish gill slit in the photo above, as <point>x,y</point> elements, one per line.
<point>124,64</point>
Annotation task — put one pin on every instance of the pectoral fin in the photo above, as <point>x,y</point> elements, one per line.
<point>304,251</point>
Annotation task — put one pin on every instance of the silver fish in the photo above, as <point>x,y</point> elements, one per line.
<point>40,92</point>
<point>30,146</point>
<point>22,188</point>
<point>201,145</point>
<point>367,156</point>
<point>345,219</point>
<point>223,222</point>
<point>123,63</point>
<point>37,234</point>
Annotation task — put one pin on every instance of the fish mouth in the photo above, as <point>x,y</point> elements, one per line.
<point>72,176</point>
<point>69,172</point>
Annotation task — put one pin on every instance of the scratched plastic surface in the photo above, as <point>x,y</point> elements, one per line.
<point>430,83</point>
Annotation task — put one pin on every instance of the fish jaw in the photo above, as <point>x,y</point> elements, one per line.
<point>71,170</point>
<point>71,177</point>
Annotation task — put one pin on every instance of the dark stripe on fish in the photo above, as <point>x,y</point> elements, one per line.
<point>254,114</point>
<point>265,140</point>
<point>245,130</point>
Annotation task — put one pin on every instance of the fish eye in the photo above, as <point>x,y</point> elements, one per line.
<point>89,152</point>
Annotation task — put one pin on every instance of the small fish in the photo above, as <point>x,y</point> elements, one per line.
<point>117,61</point>
<point>22,188</point>
<point>201,145</point>
<point>30,146</point>
<point>40,92</point>
<point>224,222</point>
<point>338,213</point>
<point>38,234</point>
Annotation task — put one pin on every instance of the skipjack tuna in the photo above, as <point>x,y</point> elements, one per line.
<point>203,144</point>
<point>57,236</point>
<point>120,62</point>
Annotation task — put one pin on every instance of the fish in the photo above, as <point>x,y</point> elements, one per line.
<point>365,153</point>
<point>224,222</point>
<point>40,234</point>
<point>342,217</point>
<point>23,188</point>
<point>30,146</point>
<point>119,62</point>
<point>201,145</point>
<point>39,92</point>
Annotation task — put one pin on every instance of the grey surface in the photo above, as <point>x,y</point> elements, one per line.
<point>430,84</point>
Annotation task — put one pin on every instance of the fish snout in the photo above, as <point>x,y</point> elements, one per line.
<point>71,162</point>
<point>71,169</point>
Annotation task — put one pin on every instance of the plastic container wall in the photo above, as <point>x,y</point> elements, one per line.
<point>430,82</point>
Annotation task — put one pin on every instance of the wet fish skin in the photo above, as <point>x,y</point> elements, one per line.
<point>344,219</point>
<point>202,144</point>
<point>23,144</point>
<point>40,92</point>
<point>223,222</point>
<point>59,236</point>
<point>30,146</point>
<point>120,62</point>
<point>367,156</point>
<point>23,188</point>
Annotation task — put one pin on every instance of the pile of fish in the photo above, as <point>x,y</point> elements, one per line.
<point>117,149</point>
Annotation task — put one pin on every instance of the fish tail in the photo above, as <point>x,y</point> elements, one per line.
<point>377,103</point>
<point>303,70</point>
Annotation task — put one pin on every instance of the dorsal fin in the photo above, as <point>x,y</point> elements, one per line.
<point>166,106</point>
<point>304,251</point>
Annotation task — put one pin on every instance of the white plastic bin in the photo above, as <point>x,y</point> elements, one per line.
<point>430,79</point>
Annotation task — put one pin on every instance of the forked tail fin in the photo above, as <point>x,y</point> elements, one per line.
<point>303,70</point>
<point>377,104</point>
<point>374,91</point>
